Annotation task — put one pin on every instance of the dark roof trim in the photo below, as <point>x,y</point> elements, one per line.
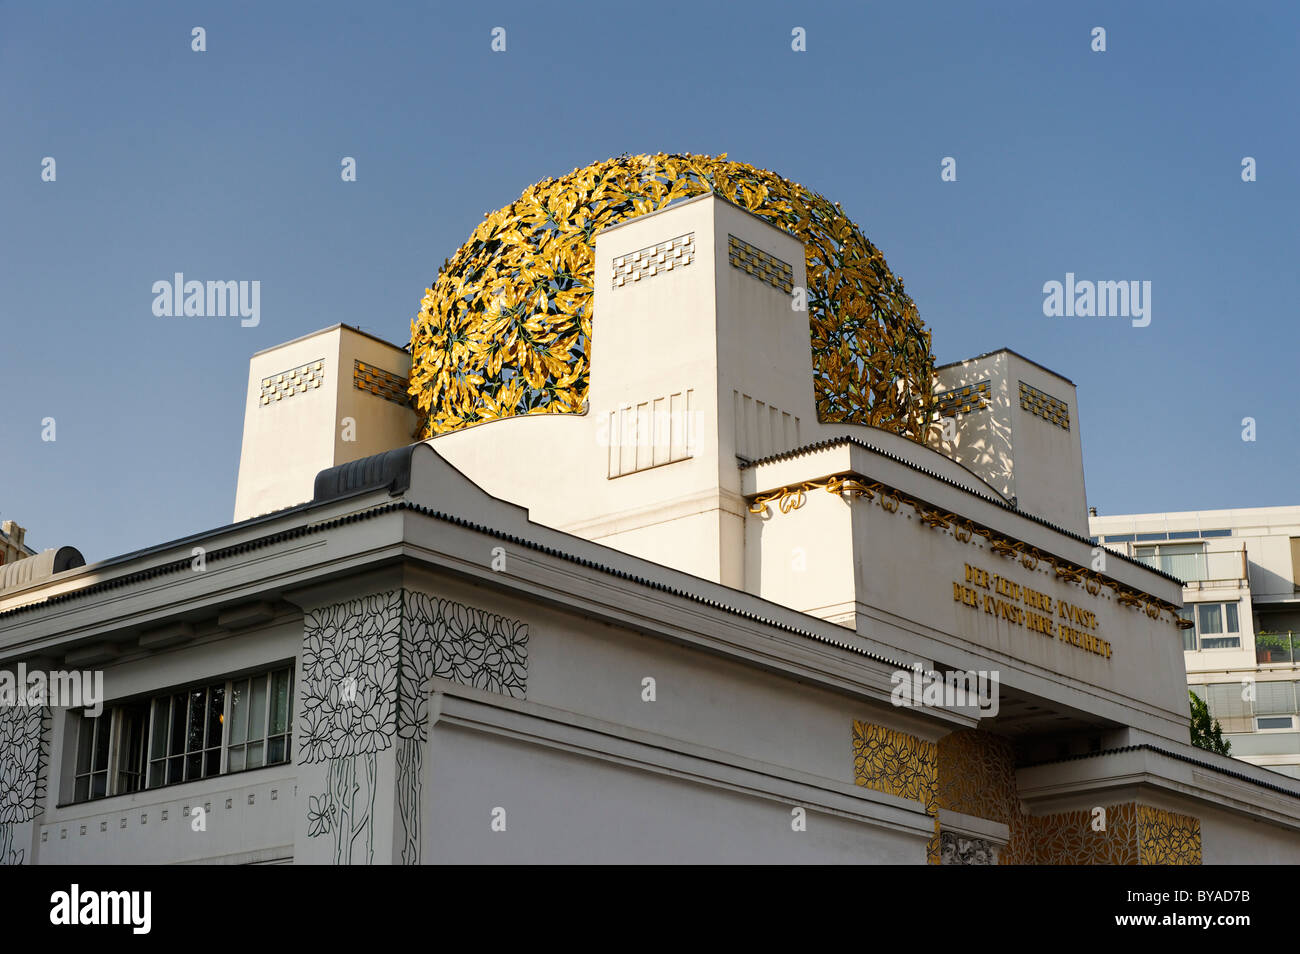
<point>846,439</point>
<point>182,565</point>
<point>1199,763</point>
<point>177,566</point>
<point>208,534</point>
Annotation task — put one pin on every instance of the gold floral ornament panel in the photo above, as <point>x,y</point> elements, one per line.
<point>1075,838</point>
<point>898,763</point>
<point>1168,838</point>
<point>506,328</point>
<point>977,776</point>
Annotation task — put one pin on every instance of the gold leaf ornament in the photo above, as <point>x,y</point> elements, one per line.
<point>506,327</point>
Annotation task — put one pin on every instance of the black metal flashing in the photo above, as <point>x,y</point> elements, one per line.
<point>390,470</point>
<point>68,558</point>
<point>184,564</point>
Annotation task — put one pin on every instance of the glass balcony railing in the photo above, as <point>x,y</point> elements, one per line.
<point>1198,567</point>
<point>1275,648</point>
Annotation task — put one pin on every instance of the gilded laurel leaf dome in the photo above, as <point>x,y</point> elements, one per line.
<point>506,328</point>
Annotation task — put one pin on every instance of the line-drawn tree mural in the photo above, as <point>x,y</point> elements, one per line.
<point>22,773</point>
<point>350,666</point>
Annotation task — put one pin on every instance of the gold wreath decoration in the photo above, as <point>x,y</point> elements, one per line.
<point>506,327</point>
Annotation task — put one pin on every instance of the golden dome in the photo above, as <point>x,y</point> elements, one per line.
<point>506,328</point>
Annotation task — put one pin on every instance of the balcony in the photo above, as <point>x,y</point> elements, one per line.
<point>1272,649</point>
<point>1223,565</point>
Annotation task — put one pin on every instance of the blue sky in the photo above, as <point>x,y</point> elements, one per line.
<point>225,165</point>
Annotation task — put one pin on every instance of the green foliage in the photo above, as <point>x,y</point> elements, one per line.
<point>1273,640</point>
<point>1206,732</point>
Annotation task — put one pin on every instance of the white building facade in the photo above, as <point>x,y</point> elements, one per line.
<point>692,624</point>
<point>1241,573</point>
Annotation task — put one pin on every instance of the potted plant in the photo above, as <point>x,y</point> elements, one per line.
<point>1266,644</point>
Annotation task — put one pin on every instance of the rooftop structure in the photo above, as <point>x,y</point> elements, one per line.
<point>683,615</point>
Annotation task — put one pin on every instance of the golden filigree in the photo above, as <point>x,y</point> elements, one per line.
<point>787,498</point>
<point>973,772</point>
<point>848,487</point>
<point>792,499</point>
<point>1167,838</point>
<point>506,328</point>
<point>1074,838</point>
<point>1005,546</point>
<point>890,499</point>
<point>898,763</point>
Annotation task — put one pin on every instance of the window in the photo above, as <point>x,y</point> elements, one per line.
<point>186,734</point>
<point>1266,723</point>
<point>1228,700</point>
<point>133,745</point>
<point>1189,634</point>
<point>1171,535</point>
<point>1252,706</point>
<point>1216,625</point>
<point>260,718</point>
<point>1183,560</point>
<point>1275,698</point>
<point>92,757</point>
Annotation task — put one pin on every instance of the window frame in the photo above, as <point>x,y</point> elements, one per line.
<point>113,721</point>
<point>1222,634</point>
<point>99,727</point>
<point>1290,727</point>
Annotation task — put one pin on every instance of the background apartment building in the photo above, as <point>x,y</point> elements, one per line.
<point>12,545</point>
<point>1241,575</point>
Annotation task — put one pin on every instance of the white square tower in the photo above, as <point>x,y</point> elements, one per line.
<point>1016,425</point>
<point>326,398</point>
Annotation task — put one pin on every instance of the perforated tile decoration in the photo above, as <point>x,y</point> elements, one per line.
<point>1044,405</point>
<point>756,262</point>
<point>963,400</point>
<point>654,259</point>
<point>299,380</point>
<point>385,384</point>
